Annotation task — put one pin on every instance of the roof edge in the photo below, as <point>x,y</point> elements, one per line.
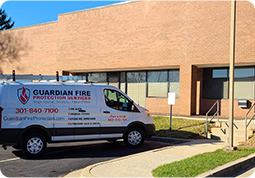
<point>35,25</point>
<point>128,69</point>
<point>72,12</point>
<point>98,8</point>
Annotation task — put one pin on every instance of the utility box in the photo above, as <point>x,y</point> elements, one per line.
<point>243,103</point>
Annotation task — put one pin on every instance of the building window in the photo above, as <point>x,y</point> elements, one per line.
<point>174,85</point>
<point>219,73</point>
<point>123,80</point>
<point>140,83</point>
<point>244,83</point>
<point>100,78</point>
<point>157,84</point>
<point>216,83</point>
<point>136,86</point>
<point>113,78</point>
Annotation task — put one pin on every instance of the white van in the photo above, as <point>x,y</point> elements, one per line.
<point>34,114</point>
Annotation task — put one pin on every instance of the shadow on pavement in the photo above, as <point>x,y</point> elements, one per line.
<point>178,134</point>
<point>96,150</point>
<point>103,149</point>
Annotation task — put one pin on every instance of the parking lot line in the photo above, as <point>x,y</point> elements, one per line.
<point>7,160</point>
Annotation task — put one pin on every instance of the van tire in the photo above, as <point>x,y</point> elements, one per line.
<point>134,137</point>
<point>33,145</point>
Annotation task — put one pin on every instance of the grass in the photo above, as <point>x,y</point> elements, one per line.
<point>181,128</point>
<point>199,164</point>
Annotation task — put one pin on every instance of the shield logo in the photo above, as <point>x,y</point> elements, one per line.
<point>23,95</point>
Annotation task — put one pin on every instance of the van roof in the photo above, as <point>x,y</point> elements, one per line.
<point>54,83</point>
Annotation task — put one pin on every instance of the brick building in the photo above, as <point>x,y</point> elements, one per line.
<point>148,49</point>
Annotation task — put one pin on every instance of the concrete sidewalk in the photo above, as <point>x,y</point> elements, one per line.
<point>142,164</point>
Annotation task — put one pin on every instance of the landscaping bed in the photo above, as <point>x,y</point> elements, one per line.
<point>199,164</point>
<point>181,128</point>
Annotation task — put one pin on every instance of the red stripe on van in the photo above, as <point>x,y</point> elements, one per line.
<point>1,109</point>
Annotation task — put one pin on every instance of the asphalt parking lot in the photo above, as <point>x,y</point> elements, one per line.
<point>63,158</point>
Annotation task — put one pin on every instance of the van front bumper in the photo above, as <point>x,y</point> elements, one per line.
<point>150,130</point>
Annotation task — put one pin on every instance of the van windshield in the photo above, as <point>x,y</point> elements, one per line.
<point>118,101</point>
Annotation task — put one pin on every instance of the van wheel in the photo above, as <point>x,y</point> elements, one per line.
<point>134,137</point>
<point>34,145</point>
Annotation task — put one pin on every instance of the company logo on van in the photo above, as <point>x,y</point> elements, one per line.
<point>23,95</point>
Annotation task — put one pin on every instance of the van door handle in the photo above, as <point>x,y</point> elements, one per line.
<point>107,112</point>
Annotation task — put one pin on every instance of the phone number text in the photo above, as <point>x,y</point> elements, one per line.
<point>36,110</point>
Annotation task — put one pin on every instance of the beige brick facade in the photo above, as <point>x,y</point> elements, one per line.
<point>144,35</point>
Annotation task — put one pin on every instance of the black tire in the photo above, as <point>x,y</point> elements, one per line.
<point>34,145</point>
<point>134,137</point>
<point>112,140</point>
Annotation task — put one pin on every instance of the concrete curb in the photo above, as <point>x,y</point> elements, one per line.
<point>227,170</point>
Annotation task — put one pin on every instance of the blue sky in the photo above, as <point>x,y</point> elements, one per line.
<point>27,13</point>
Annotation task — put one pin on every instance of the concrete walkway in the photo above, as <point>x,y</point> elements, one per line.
<point>142,164</point>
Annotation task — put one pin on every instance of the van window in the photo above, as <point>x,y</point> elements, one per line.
<point>118,101</point>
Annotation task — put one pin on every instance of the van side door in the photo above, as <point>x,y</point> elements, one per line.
<point>61,106</point>
<point>85,113</point>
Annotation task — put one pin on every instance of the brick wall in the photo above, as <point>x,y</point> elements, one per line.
<point>144,34</point>
<point>40,50</point>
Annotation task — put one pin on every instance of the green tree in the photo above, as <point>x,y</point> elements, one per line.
<point>5,22</point>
